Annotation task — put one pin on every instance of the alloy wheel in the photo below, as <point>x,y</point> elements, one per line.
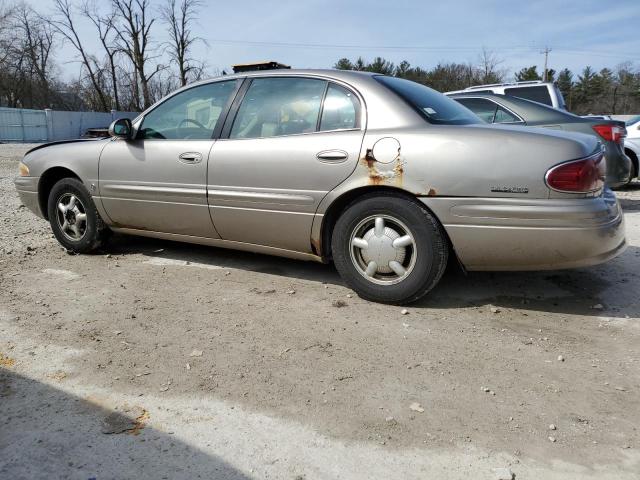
<point>71,216</point>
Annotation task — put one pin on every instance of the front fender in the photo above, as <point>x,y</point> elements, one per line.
<point>79,157</point>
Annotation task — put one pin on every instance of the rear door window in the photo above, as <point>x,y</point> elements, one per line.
<point>273,107</point>
<point>538,94</point>
<point>485,109</point>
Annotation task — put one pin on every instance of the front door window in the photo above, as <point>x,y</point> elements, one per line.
<point>191,114</point>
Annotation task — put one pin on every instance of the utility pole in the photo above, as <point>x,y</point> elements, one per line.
<point>546,52</point>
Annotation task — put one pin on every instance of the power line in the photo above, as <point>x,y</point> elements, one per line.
<point>444,49</point>
<point>361,47</point>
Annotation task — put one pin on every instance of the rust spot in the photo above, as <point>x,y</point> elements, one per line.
<point>398,170</point>
<point>431,192</point>
<point>6,361</point>
<point>376,177</point>
<point>368,158</point>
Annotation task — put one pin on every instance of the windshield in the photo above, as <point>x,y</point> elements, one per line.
<point>633,120</point>
<point>433,106</point>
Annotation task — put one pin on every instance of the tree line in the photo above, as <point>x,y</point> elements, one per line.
<point>610,91</point>
<point>129,71</point>
<point>145,51</point>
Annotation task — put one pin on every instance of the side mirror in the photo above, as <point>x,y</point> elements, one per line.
<point>121,128</point>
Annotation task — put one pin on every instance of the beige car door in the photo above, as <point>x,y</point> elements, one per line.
<point>157,181</point>
<point>292,141</point>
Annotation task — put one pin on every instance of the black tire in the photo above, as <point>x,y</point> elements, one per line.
<point>429,242</point>
<point>94,231</point>
<point>634,164</point>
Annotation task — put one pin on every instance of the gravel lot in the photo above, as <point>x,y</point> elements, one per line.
<point>164,360</point>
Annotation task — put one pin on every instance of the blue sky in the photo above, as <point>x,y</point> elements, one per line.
<point>315,33</point>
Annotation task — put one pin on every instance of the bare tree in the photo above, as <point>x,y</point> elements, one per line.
<point>179,19</point>
<point>37,39</point>
<point>6,50</point>
<point>64,23</point>
<point>105,25</point>
<point>6,12</point>
<point>489,67</point>
<point>133,30</point>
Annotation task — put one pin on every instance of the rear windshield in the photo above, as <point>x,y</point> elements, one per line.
<point>538,94</point>
<point>433,106</point>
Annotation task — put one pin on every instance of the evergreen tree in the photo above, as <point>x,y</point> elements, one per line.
<point>380,65</point>
<point>343,64</point>
<point>528,73</point>
<point>403,69</point>
<point>359,65</point>
<point>608,91</point>
<point>565,85</point>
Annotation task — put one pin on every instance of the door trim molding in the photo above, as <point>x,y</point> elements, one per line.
<point>254,196</point>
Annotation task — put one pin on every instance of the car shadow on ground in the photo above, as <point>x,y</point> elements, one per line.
<point>48,433</point>
<point>575,291</point>
<point>629,204</point>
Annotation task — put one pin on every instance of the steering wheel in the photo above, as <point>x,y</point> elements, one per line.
<point>191,120</point>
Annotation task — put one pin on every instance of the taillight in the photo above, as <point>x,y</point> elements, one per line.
<point>578,176</point>
<point>611,133</point>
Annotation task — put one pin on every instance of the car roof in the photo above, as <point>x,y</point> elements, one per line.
<point>355,78</point>
<point>282,72</point>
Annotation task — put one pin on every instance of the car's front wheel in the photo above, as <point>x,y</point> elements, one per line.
<point>73,217</point>
<point>389,248</point>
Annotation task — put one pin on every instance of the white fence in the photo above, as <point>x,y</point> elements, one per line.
<point>21,125</point>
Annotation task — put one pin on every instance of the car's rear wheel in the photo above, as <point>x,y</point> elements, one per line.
<point>634,163</point>
<point>389,248</point>
<point>74,218</point>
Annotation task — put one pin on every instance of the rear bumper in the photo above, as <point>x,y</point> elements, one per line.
<point>512,234</point>
<point>27,188</point>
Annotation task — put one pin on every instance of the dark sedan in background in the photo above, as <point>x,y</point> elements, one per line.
<point>509,110</point>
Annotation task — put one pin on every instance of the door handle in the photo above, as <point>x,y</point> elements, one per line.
<point>190,157</point>
<point>332,156</point>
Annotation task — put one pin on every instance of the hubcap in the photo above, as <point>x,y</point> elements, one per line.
<point>72,216</point>
<point>383,249</point>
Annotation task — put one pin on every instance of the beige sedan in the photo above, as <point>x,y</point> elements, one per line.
<point>387,178</point>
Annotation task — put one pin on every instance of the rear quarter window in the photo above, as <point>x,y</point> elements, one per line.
<point>538,94</point>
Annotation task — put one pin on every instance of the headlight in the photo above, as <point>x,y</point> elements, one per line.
<point>23,169</point>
